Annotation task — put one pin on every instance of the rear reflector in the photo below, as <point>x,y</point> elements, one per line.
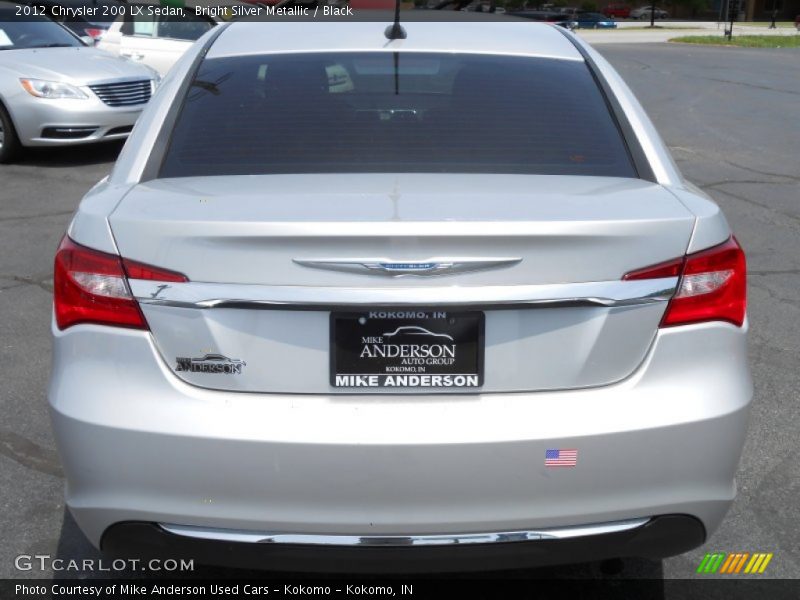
<point>94,32</point>
<point>91,287</point>
<point>712,287</point>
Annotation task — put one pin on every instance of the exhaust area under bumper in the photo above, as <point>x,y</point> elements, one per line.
<point>659,537</point>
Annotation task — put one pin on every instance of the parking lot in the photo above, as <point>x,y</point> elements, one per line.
<point>730,117</point>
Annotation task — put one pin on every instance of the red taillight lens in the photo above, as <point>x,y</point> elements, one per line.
<point>712,286</point>
<point>91,287</point>
<point>671,268</point>
<point>137,270</point>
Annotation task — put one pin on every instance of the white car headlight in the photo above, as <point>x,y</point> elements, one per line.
<point>52,90</point>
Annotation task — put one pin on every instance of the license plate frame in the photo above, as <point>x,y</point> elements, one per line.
<point>425,349</point>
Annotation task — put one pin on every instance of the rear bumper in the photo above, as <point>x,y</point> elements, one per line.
<point>140,445</point>
<point>662,536</point>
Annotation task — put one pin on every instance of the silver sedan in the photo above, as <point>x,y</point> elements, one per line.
<point>426,303</point>
<point>56,90</point>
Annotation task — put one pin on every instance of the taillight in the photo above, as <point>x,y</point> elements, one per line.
<point>91,287</point>
<point>137,270</point>
<point>712,286</point>
<point>93,32</point>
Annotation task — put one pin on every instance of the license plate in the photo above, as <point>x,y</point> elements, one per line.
<point>407,349</point>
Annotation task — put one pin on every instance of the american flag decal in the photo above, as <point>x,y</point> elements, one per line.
<point>567,457</point>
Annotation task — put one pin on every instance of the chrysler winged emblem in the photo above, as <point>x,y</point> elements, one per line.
<point>402,268</point>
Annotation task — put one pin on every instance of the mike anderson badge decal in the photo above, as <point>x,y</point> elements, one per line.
<point>210,363</point>
<point>407,349</point>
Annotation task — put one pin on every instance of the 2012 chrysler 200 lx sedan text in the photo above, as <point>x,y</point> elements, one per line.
<point>426,303</point>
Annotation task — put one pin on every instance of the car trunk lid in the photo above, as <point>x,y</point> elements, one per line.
<point>270,257</point>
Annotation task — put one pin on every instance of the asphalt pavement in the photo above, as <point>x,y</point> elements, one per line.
<point>730,116</point>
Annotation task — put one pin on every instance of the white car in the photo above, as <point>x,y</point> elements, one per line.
<point>55,90</point>
<point>644,13</point>
<point>157,37</point>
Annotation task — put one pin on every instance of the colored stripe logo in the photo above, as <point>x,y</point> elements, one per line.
<point>735,563</point>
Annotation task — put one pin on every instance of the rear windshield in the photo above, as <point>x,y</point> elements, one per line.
<point>395,112</point>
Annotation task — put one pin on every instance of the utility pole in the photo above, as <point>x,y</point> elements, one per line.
<point>726,16</point>
<point>653,13</point>
<point>733,7</point>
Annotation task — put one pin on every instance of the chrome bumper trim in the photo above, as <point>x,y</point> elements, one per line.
<point>232,535</point>
<point>222,295</point>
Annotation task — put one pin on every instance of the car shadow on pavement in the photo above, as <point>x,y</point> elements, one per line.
<point>73,546</point>
<point>71,156</point>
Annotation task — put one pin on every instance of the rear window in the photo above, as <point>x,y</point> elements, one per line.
<point>395,112</point>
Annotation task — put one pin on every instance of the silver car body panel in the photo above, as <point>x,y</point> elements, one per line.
<point>80,67</point>
<point>711,227</point>
<point>90,223</point>
<point>237,241</point>
<point>563,228</point>
<point>289,352</point>
<point>576,360</point>
<point>665,440</point>
<point>510,38</point>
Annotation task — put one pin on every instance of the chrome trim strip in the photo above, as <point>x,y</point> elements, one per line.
<point>407,268</point>
<point>223,295</point>
<point>447,539</point>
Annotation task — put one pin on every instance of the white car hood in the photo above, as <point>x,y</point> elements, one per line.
<point>80,65</point>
